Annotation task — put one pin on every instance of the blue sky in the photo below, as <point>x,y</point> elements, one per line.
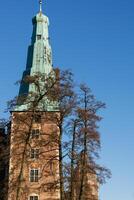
<point>96,40</point>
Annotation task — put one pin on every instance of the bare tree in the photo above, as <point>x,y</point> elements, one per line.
<point>21,136</point>
<point>89,136</point>
<point>73,116</point>
<point>65,95</point>
<point>57,88</point>
<point>84,148</point>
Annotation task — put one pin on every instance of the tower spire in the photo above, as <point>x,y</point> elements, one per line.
<point>40,3</point>
<point>39,60</point>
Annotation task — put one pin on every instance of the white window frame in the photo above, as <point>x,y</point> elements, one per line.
<point>34,153</point>
<point>34,176</point>
<point>33,195</point>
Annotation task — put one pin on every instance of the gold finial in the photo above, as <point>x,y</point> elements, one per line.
<point>40,2</point>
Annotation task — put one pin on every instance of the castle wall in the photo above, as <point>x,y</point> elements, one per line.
<point>29,134</point>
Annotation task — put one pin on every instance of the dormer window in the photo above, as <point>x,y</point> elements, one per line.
<point>38,37</point>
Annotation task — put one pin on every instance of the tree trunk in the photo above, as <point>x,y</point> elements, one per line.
<point>61,165</point>
<point>72,163</point>
<point>83,167</point>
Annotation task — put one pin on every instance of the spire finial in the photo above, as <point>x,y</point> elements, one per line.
<point>40,2</point>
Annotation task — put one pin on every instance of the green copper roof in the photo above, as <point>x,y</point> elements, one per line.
<point>39,60</point>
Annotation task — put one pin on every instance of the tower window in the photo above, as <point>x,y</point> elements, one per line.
<point>38,37</point>
<point>34,175</point>
<point>34,154</point>
<point>34,198</point>
<point>37,118</point>
<point>35,133</point>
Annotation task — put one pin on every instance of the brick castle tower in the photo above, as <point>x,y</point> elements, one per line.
<point>33,164</point>
<point>29,152</point>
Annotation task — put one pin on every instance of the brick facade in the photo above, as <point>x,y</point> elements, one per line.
<point>29,176</point>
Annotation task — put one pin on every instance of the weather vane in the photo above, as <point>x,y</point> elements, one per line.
<point>40,2</point>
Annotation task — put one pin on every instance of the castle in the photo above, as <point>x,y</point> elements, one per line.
<point>29,151</point>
